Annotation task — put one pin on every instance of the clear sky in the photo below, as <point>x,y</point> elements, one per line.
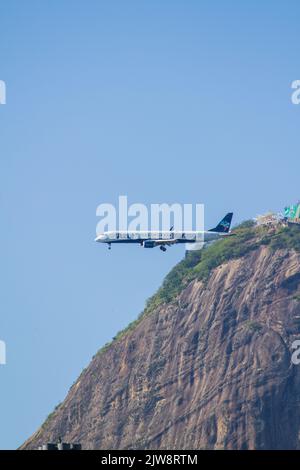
<point>164,101</point>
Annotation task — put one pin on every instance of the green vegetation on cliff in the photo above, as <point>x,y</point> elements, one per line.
<point>199,264</point>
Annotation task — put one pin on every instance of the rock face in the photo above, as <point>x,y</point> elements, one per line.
<point>210,370</point>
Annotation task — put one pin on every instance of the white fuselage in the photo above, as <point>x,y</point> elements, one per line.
<point>168,236</point>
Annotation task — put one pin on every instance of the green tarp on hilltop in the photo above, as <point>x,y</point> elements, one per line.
<point>292,212</point>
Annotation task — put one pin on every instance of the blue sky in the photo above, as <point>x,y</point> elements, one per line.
<point>164,101</point>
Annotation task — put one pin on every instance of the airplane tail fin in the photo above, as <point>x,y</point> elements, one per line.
<point>224,225</point>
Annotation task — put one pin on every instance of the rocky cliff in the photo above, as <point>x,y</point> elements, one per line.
<point>208,364</point>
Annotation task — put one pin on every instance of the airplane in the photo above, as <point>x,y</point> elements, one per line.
<point>167,238</point>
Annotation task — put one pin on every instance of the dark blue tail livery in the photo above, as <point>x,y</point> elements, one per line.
<point>224,225</point>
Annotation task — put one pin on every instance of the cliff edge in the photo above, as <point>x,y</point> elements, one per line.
<point>208,363</point>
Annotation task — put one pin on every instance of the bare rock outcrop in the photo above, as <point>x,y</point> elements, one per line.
<point>210,370</point>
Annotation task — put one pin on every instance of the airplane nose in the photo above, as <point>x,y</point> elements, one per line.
<point>101,238</point>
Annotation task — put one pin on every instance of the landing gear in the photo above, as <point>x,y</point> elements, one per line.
<point>163,248</point>
<point>109,246</point>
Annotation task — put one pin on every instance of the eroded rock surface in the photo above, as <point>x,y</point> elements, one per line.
<point>211,370</point>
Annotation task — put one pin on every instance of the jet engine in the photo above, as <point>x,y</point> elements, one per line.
<point>149,244</point>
